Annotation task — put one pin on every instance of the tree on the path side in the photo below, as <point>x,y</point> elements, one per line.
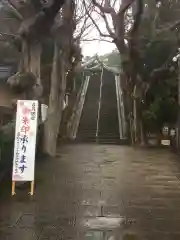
<point>161,28</point>
<point>135,27</point>
<point>63,33</point>
<point>35,22</point>
<point>122,20</point>
<point>70,27</point>
<point>36,19</point>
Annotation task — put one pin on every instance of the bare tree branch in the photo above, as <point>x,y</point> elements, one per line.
<point>114,3</point>
<point>111,33</point>
<point>13,8</point>
<point>40,24</point>
<point>133,40</point>
<point>7,34</point>
<point>96,39</point>
<point>170,27</point>
<point>37,4</point>
<point>106,8</point>
<point>125,4</point>
<point>95,24</point>
<point>137,17</point>
<point>83,22</point>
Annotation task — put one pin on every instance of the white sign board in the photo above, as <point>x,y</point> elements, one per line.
<point>25,140</point>
<point>165,142</point>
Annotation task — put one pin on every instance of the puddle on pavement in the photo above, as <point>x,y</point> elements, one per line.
<point>99,235</point>
<point>108,228</point>
<point>101,228</point>
<point>103,223</point>
<point>102,235</point>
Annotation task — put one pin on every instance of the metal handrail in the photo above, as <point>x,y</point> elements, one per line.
<point>99,107</point>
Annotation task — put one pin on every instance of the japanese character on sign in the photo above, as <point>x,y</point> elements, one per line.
<point>26,111</point>
<point>24,148</point>
<point>23,158</point>
<point>24,139</point>
<point>25,129</point>
<point>33,112</point>
<point>25,120</point>
<point>22,168</point>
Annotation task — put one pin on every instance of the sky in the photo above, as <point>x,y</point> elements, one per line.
<point>97,47</point>
<point>90,48</point>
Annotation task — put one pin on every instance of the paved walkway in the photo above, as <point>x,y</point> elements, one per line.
<point>135,194</point>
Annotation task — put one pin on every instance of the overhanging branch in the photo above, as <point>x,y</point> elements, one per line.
<point>94,22</point>
<point>137,16</point>
<point>125,4</point>
<point>13,9</point>
<point>106,8</point>
<point>40,25</point>
<point>170,27</point>
<point>96,39</point>
<point>7,35</point>
<point>111,33</point>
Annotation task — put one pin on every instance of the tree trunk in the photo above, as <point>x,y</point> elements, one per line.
<point>74,120</point>
<point>139,104</point>
<point>56,97</point>
<point>31,59</point>
<point>178,120</point>
<point>31,63</point>
<point>24,61</point>
<point>35,61</point>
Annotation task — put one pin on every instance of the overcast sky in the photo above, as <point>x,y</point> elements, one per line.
<point>97,47</point>
<point>91,48</point>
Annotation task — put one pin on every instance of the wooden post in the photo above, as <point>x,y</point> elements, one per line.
<point>13,188</point>
<point>32,188</point>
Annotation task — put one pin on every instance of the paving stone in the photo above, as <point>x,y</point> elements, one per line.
<point>87,181</point>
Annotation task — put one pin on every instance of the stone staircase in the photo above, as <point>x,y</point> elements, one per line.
<point>88,122</point>
<point>108,120</point>
<point>103,117</point>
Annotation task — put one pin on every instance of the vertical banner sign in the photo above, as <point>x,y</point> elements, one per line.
<point>25,141</point>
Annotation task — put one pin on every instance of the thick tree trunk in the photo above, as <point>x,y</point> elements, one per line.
<point>128,99</point>
<point>24,61</point>
<point>31,59</point>
<point>74,120</point>
<point>35,61</point>
<point>139,130</point>
<point>129,58</point>
<point>56,97</point>
<point>137,121</point>
<point>31,62</point>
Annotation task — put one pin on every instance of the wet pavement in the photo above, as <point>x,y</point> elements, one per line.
<point>97,192</point>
